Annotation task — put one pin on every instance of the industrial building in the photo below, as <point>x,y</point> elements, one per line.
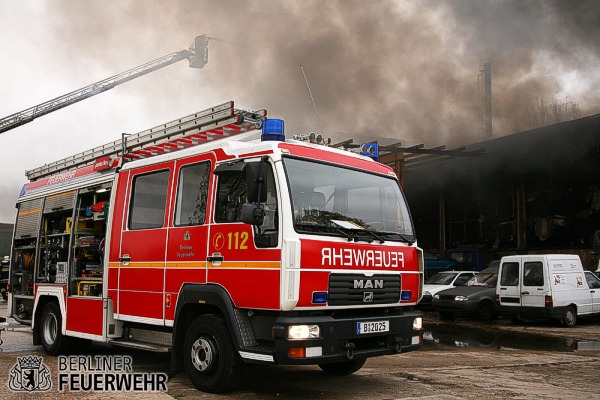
<point>536,191</point>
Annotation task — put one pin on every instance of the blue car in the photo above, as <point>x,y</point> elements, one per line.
<point>459,259</point>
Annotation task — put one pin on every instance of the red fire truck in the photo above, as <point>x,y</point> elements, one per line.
<point>181,239</point>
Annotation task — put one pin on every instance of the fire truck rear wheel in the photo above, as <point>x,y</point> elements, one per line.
<point>51,337</point>
<point>344,367</point>
<point>210,359</point>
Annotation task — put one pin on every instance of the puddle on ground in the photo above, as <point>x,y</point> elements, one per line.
<point>451,336</point>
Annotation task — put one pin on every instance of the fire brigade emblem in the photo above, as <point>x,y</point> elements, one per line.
<point>29,374</point>
<point>218,241</point>
<point>187,235</point>
<point>367,297</point>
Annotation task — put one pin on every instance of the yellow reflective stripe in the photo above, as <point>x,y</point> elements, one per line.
<point>202,264</point>
<point>247,265</point>
<point>61,194</point>
<point>178,265</point>
<point>37,210</point>
<point>143,265</point>
<point>187,264</point>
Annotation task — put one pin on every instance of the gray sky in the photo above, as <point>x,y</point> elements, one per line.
<point>397,69</point>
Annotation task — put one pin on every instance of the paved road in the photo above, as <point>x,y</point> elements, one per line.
<point>481,361</point>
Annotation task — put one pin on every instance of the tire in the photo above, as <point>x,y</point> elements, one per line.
<point>211,361</point>
<point>49,330</point>
<point>485,311</point>
<point>344,367</point>
<point>569,318</point>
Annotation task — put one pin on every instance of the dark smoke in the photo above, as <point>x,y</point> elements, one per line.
<point>405,70</point>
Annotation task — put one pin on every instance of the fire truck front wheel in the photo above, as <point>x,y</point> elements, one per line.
<point>52,340</point>
<point>210,359</point>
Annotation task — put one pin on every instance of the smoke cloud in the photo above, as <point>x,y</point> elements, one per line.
<point>397,69</point>
<point>394,69</point>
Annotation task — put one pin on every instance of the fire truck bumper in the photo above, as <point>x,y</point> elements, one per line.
<point>343,338</point>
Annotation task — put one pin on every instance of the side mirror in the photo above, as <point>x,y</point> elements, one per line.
<point>252,214</point>
<point>256,182</point>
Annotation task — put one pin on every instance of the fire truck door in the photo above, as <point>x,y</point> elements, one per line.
<point>240,258</point>
<point>188,232</point>
<point>143,241</point>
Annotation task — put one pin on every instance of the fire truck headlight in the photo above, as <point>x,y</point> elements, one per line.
<point>418,323</point>
<point>298,332</point>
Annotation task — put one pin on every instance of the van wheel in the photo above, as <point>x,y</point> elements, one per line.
<point>344,367</point>
<point>50,330</point>
<point>210,359</point>
<point>485,311</point>
<point>569,317</point>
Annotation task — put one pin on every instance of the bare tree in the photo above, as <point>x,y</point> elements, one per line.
<point>544,114</point>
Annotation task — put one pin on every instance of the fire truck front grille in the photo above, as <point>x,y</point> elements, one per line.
<point>355,289</point>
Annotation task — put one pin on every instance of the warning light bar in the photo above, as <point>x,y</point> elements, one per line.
<point>273,129</point>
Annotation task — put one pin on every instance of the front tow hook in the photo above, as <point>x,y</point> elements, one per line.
<point>398,344</point>
<point>349,350</point>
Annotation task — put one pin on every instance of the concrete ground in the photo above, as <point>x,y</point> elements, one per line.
<point>459,360</point>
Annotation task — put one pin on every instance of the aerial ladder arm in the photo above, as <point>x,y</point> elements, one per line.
<point>197,56</point>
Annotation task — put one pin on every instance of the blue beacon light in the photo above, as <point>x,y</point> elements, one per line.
<point>273,130</point>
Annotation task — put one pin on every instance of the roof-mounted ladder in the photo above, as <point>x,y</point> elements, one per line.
<point>211,124</point>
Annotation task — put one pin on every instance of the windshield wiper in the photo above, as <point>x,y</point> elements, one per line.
<point>323,228</point>
<point>374,234</point>
<point>401,236</point>
<point>349,233</point>
<point>313,227</point>
<point>354,234</point>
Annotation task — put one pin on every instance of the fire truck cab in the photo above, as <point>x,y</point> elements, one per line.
<point>222,253</point>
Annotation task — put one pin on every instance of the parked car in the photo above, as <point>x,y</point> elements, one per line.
<point>441,281</point>
<point>460,259</point>
<point>475,299</point>
<point>4,270</point>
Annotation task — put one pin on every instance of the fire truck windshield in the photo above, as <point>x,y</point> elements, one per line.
<point>333,200</point>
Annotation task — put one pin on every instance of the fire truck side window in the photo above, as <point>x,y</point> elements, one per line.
<point>231,194</point>
<point>192,194</point>
<point>148,200</point>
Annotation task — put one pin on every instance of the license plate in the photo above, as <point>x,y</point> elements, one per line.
<point>372,327</point>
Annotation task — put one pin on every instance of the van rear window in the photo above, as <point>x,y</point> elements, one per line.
<point>533,274</point>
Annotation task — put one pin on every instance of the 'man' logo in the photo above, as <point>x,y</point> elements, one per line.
<point>29,374</point>
<point>368,284</point>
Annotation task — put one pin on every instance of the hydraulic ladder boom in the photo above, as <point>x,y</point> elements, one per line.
<point>214,123</point>
<point>197,55</point>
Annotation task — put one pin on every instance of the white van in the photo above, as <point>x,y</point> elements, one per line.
<point>545,286</point>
